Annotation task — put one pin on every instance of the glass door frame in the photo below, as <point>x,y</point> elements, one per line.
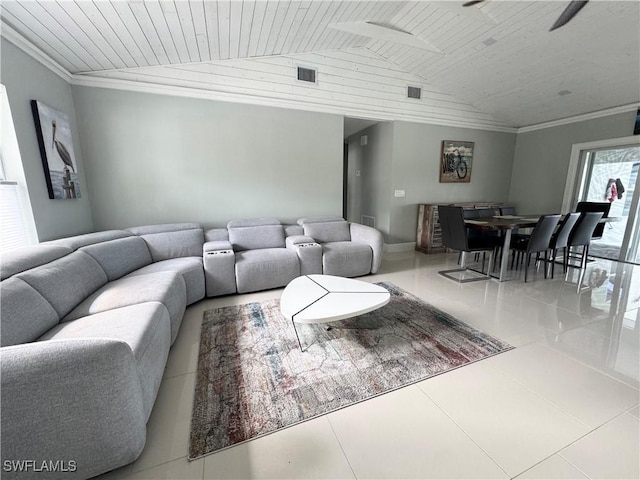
<point>575,183</point>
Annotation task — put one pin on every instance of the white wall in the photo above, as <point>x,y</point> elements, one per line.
<point>416,170</point>
<point>406,156</point>
<point>25,79</point>
<point>541,159</point>
<point>155,158</point>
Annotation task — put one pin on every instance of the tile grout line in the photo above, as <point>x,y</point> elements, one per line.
<point>578,360</point>
<point>540,396</point>
<point>559,452</point>
<point>137,472</point>
<point>497,369</point>
<point>180,374</point>
<point>572,464</point>
<point>341,447</point>
<point>464,431</point>
<point>591,429</point>
<point>547,458</point>
<point>629,412</point>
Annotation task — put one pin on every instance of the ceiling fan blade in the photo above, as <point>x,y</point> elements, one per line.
<point>472,2</point>
<point>572,9</point>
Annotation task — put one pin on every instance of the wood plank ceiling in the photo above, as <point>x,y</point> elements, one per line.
<point>498,67</point>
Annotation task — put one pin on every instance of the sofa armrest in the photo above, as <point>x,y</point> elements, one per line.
<point>309,253</point>
<point>216,246</point>
<point>298,240</point>
<point>373,238</point>
<point>74,401</point>
<point>219,268</point>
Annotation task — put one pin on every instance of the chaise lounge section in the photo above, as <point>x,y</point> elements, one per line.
<point>87,323</point>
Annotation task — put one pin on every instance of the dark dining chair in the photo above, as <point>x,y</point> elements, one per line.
<point>489,235</point>
<point>474,235</point>
<point>538,242</point>
<point>581,235</point>
<point>603,207</point>
<point>455,236</point>
<point>508,211</point>
<point>486,212</point>
<point>471,213</point>
<point>560,240</point>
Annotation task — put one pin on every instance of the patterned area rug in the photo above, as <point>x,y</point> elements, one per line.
<point>253,379</point>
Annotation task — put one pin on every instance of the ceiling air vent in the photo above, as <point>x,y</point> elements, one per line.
<point>307,75</point>
<point>414,92</point>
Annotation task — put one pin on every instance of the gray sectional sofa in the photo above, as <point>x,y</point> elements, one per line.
<point>87,323</point>
<point>259,254</point>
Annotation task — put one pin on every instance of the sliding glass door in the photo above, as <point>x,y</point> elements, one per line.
<point>610,174</point>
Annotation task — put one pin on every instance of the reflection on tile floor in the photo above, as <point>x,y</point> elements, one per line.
<point>563,404</point>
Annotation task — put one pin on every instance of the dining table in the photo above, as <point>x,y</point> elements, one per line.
<point>507,224</point>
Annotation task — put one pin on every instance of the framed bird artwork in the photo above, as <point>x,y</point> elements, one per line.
<point>56,150</point>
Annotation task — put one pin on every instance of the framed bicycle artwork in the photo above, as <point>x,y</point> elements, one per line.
<point>456,161</point>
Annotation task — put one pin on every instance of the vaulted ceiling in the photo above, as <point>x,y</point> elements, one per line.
<point>491,66</point>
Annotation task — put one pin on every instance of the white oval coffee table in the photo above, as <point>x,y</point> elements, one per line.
<point>326,298</point>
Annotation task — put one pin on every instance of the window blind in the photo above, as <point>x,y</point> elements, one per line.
<point>14,232</point>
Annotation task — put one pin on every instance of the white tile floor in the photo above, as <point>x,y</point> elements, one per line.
<point>563,404</point>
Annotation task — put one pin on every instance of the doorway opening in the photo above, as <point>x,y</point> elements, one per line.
<point>352,180</point>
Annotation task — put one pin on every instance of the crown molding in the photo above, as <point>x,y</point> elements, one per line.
<point>13,36</point>
<point>580,118</point>
<point>95,80</point>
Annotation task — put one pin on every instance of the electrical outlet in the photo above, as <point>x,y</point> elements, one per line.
<point>357,173</point>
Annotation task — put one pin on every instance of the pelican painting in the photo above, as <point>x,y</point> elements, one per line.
<point>56,149</point>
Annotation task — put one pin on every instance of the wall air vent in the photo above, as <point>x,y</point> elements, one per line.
<point>368,220</point>
<point>414,92</point>
<point>307,75</point>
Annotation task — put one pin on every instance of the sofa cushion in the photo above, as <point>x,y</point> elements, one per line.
<point>346,259</point>
<point>326,218</point>
<point>67,281</point>
<point>79,241</point>
<point>24,312</point>
<point>167,288</point>
<point>164,227</point>
<point>182,243</point>
<point>216,235</point>
<point>121,256</point>
<point>71,400</point>
<point>251,238</point>
<point>265,268</point>
<point>253,222</point>
<point>26,258</point>
<point>192,271</point>
<point>328,231</point>
<point>145,327</point>
<point>291,230</point>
